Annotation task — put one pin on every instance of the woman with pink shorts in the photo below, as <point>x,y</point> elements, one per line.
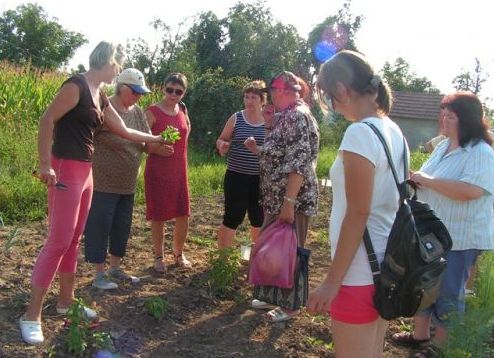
<point>361,179</point>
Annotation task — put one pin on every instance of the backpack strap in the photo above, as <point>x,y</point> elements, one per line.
<point>402,190</point>
<point>371,255</point>
<point>390,160</point>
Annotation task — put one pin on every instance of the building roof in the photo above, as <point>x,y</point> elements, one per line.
<point>416,105</point>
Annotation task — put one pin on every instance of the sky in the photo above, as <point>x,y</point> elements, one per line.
<point>438,38</point>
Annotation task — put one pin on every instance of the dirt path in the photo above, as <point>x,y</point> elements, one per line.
<point>196,324</point>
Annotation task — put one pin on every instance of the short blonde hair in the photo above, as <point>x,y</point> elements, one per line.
<point>105,53</point>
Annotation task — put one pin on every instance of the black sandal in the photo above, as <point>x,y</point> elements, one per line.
<point>406,339</point>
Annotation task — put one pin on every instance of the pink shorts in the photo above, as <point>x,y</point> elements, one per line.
<point>353,304</point>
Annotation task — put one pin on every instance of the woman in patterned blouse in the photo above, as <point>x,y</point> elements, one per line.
<point>288,161</point>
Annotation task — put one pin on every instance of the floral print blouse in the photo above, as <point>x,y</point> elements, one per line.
<point>291,147</point>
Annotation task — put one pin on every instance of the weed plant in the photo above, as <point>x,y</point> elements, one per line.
<point>224,270</point>
<point>80,338</point>
<point>156,307</point>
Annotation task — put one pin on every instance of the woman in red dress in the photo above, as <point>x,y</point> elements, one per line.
<point>165,176</point>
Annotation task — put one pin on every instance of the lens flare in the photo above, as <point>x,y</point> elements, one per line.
<point>333,39</point>
<point>324,50</point>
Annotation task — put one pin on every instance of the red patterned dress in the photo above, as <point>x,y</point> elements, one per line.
<point>165,178</point>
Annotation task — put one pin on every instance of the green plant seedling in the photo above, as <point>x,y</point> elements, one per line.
<point>156,307</point>
<point>170,134</point>
<point>224,270</point>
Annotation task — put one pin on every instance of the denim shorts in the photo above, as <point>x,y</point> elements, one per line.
<point>451,298</point>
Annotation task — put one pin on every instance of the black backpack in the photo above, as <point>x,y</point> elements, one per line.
<point>410,276</point>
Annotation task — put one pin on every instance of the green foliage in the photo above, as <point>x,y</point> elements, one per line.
<point>202,241</point>
<point>400,77</point>
<point>156,307</point>
<point>27,35</point>
<point>417,159</point>
<point>470,333</point>
<point>316,342</point>
<point>332,129</point>
<point>224,270</point>
<point>211,101</point>
<point>80,338</point>
<point>170,134</point>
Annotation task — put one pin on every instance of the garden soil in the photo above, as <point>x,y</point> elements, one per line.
<point>196,324</point>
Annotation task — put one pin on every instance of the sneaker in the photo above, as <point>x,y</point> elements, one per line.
<point>118,274</point>
<point>31,331</point>
<point>89,313</point>
<point>102,282</point>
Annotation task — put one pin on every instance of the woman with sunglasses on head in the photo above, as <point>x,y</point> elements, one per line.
<point>116,164</point>
<point>287,162</point>
<point>65,146</point>
<point>165,176</point>
<point>364,195</point>
<point>241,183</point>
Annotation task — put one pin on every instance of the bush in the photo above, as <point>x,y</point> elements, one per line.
<point>211,101</point>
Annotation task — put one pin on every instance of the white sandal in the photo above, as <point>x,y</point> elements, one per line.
<point>261,305</point>
<point>31,331</point>
<point>278,315</point>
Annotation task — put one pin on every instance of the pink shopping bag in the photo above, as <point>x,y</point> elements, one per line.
<point>273,257</point>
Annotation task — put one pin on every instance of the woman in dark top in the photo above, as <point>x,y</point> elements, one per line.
<point>65,146</point>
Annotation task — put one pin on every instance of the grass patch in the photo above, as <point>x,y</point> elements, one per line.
<point>202,241</point>
<point>316,342</point>
<point>469,334</point>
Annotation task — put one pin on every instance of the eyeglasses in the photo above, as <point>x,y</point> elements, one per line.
<point>134,92</point>
<point>177,91</point>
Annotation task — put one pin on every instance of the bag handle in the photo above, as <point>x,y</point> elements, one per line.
<point>403,192</point>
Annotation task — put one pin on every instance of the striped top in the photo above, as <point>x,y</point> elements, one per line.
<point>240,159</point>
<point>470,223</point>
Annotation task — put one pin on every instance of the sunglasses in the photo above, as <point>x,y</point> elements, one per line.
<point>177,91</point>
<point>135,93</point>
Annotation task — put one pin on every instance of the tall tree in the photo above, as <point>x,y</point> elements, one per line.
<point>27,34</point>
<point>471,81</point>
<point>400,77</point>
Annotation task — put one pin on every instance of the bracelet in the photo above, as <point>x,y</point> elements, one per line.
<point>290,200</point>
